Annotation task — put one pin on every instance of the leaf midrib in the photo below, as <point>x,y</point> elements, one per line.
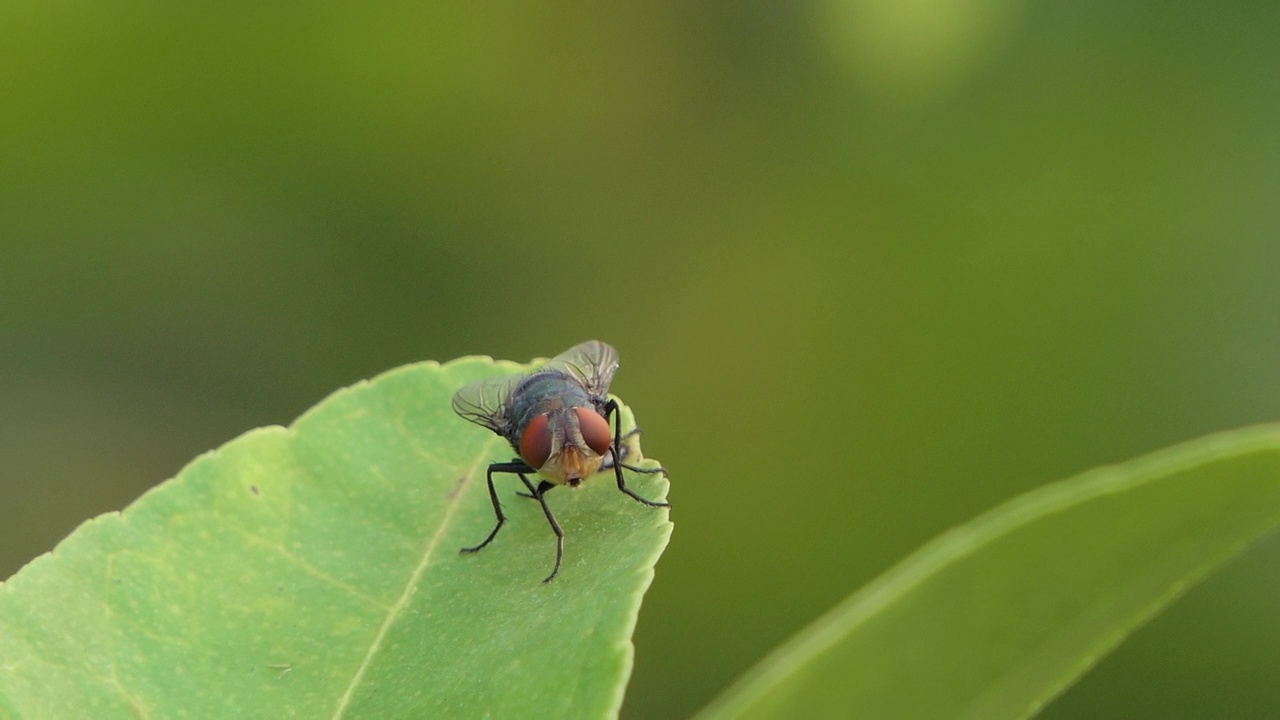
<point>453,502</point>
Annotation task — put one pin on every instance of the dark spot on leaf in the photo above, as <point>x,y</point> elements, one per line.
<point>253,489</point>
<point>462,481</point>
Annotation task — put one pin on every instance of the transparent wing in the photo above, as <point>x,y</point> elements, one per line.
<point>593,362</point>
<point>487,403</point>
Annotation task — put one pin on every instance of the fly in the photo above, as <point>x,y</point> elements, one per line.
<point>557,420</point>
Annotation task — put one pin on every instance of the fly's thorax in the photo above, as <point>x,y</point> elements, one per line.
<point>544,391</point>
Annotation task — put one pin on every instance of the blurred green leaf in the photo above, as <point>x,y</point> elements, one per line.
<point>314,572</point>
<point>995,618</point>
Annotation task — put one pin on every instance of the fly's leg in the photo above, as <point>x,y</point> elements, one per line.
<point>519,468</point>
<point>611,408</point>
<point>646,471</point>
<point>540,494</point>
<point>516,468</point>
<point>623,450</point>
<point>532,494</point>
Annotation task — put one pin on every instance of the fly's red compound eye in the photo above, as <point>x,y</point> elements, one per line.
<point>595,430</point>
<point>535,443</point>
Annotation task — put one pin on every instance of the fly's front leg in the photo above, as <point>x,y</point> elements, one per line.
<point>645,471</point>
<point>516,468</point>
<point>540,494</point>
<point>611,409</point>
<point>624,451</point>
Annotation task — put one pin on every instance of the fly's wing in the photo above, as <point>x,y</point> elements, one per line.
<point>487,403</point>
<point>592,362</point>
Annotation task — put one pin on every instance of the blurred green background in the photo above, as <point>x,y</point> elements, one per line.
<point>873,267</point>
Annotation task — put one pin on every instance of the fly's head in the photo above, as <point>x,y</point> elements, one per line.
<point>567,444</point>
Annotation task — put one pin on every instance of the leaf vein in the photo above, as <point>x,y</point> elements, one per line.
<point>394,612</point>
<point>314,571</point>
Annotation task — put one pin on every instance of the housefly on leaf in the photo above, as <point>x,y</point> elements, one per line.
<point>557,419</point>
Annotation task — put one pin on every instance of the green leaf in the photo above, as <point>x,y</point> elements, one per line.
<point>997,617</point>
<point>313,572</point>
